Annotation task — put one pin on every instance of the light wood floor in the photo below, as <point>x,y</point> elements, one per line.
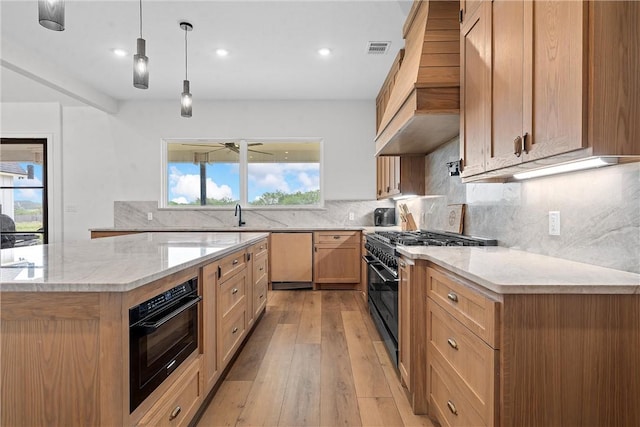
<point>315,359</point>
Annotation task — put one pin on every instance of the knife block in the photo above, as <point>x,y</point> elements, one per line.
<point>409,224</point>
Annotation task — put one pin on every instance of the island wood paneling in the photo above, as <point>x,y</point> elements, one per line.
<point>570,360</point>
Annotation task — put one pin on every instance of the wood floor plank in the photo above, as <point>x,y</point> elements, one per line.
<point>245,368</point>
<point>379,411</point>
<point>369,379</point>
<point>338,401</point>
<point>330,301</point>
<point>310,331</point>
<point>348,300</point>
<point>292,308</point>
<point>226,405</point>
<point>267,392</point>
<point>363,305</point>
<point>301,406</point>
<point>398,392</point>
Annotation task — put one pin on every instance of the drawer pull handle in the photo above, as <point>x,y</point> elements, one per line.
<point>234,330</point>
<point>453,297</point>
<point>174,414</point>
<point>261,296</point>
<point>336,237</point>
<point>235,261</point>
<point>234,291</point>
<point>452,343</point>
<point>452,407</point>
<point>261,268</point>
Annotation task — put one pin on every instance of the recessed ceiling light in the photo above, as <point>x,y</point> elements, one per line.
<point>324,51</point>
<point>119,52</point>
<point>222,52</point>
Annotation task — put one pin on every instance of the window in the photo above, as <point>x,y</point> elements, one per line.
<point>23,192</point>
<point>250,172</point>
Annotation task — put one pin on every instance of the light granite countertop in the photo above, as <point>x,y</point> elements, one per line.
<point>243,229</point>
<point>117,264</point>
<point>509,271</point>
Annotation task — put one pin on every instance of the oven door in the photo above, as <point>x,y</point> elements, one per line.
<point>383,292</point>
<point>158,344</point>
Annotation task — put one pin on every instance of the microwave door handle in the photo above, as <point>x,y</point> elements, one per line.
<point>152,326</point>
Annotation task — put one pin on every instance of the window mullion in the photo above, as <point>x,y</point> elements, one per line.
<point>243,172</point>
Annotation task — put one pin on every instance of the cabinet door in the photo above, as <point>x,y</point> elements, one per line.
<point>555,59</point>
<point>291,256</point>
<point>394,175</point>
<point>336,263</point>
<point>507,101</point>
<point>404,324</point>
<point>475,89</point>
<point>209,312</point>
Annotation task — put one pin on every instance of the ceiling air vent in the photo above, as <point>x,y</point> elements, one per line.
<point>378,48</point>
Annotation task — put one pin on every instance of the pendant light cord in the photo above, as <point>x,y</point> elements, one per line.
<point>140,18</point>
<point>185,55</point>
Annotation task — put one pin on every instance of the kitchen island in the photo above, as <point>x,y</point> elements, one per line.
<point>65,323</point>
<point>498,336</point>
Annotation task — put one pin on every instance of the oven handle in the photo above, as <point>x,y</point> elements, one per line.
<point>369,259</point>
<point>379,272</point>
<point>152,326</point>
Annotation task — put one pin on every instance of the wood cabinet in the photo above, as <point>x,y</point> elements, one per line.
<point>178,406</point>
<point>336,258</point>
<point>291,257</point>
<point>209,348</point>
<point>382,100</point>
<point>404,322</point>
<point>462,355</point>
<point>260,276</point>
<point>400,175</point>
<point>231,305</point>
<point>538,83</point>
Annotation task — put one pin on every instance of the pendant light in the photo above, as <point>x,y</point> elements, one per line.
<point>185,99</point>
<point>51,14</point>
<point>140,61</point>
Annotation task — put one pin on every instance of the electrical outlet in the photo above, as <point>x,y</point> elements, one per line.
<point>149,216</point>
<point>352,216</point>
<point>554,223</point>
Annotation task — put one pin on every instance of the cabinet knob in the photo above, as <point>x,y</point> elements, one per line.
<point>452,343</point>
<point>517,146</point>
<point>336,237</point>
<point>235,261</point>
<point>234,330</point>
<point>234,291</point>
<point>452,407</point>
<point>261,268</point>
<point>174,414</point>
<point>453,297</point>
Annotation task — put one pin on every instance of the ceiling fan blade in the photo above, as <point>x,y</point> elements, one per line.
<point>261,152</point>
<point>253,144</point>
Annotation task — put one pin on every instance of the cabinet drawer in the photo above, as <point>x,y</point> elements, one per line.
<point>260,248</point>
<point>336,237</point>
<point>260,267</point>
<point>448,401</point>
<point>260,295</point>
<point>232,292</point>
<point>467,358</point>
<point>230,265</point>
<point>233,327</point>
<point>180,403</point>
<point>475,311</point>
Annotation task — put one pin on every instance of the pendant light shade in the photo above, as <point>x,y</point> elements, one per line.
<point>185,98</point>
<point>140,66</point>
<point>140,61</point>
<point>51,14</point>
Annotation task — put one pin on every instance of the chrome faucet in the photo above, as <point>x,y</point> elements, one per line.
<point>239,211</point>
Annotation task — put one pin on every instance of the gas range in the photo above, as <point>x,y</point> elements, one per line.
<point>382,244</point>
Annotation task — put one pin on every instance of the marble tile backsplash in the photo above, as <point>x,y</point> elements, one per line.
<point>335,213</point>
<point>599,211</point>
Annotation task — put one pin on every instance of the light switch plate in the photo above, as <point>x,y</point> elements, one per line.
<point>554,223</point>
<point>149,216</point>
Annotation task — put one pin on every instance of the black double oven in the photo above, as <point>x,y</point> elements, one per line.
<point>163,332</point>
<point>382,274</point>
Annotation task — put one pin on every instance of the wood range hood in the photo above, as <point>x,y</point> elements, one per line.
<point>423,108</point>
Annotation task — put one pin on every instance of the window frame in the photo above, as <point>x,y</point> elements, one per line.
<point>45,183</point>
<point>243,163</point>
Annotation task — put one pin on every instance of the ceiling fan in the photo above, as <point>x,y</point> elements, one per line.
<point>232,146</point>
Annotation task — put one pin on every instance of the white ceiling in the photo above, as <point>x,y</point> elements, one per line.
<point>273,48</point>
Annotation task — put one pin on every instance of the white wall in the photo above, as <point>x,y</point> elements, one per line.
<point>104,158</point>
<point>41,120</point>
<point>347,128</point>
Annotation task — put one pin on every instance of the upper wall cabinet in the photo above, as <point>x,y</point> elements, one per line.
<point>542,84</point>
<point>400,176</point>
<point>418,106</point>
